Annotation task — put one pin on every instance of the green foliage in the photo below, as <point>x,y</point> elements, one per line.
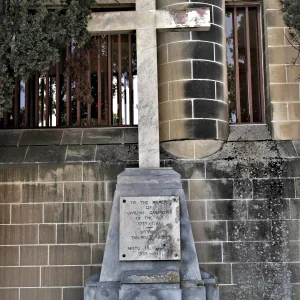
<point>31,37</point>
<point>291,17</point>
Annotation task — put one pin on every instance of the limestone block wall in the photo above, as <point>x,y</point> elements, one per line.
<point>55,202</point>
<point>281,76</point>
<point>192,79</point>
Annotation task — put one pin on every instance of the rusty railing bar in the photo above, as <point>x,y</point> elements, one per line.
<point>68,90</point>
<point>26,104</point>
<point>36,98</point>
<point>249,65</point>
<point>120,79</point>
<point>17,104</point>
<point>109,80</point>
<point>130,78</point>
<point>89,105</point>
<point>260,54</point>
<point>5,119</point>
<point>57,88</point>
<point>47,99</point>
<point>236,62</point>
<point>99,46</point>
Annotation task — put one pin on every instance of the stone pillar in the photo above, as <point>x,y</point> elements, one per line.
<point>193,108</point>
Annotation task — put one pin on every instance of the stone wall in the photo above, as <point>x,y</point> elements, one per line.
<point>56,201</point>
<point>193,84</point>
<point>281,76</point>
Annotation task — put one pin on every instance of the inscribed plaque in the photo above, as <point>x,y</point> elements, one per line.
<point>149,228</point>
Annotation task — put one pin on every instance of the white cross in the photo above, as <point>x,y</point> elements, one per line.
<point>146,20</point>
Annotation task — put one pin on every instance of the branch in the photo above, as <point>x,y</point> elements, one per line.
<point>295,47</point>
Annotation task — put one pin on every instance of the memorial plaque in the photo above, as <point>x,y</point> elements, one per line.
<point>149,228</point>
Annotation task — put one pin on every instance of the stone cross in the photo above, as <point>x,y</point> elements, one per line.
<point>146,20</point>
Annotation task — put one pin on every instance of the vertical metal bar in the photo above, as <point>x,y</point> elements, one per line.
<point>78,112</point>
<point>130,78</point>
<point>109,79</point>
<point>47,99</point>
<point>42,101</point>
<point>17,105</point>
<point>51,100</point>
<point>99,80</point>
<point>236,63</point>
<point>36,97</point>
<point>5,119</point>
<point>68,90</point>
<point>57,84</point>
<point>31,102</point>
<point>120,79</point>
<point>89,105</point>
<point>249,65</point>
<point>26,104</point>
<point>259,35</point>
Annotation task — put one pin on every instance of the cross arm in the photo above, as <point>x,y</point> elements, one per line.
<point>111,22</point>
<point>128,21</point>
<point>193,19</point>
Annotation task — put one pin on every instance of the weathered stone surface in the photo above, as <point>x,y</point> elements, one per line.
<point>18,173</point>
<point>249,133</point>
<point>155,294</point>
<point>33,255</point>
<point>61,276</point>
<point>71,136</point>
<point>69,255</point>
<point>26,213</point>
<point>10,137</point>
<point>130,135</point>
<point>12,154</point>
<point>149,228</point>
<point>77,233</point>
<point>209,231</point>
<point>40,293</point>
<point>73,293</point>
<point>124,153</point>
<point>81,153</point>
<point>62,213</point>
<point>60,172</point>
<point>102,136</point>
<point>41,137</point>
<point>9,256</point>
<point>54,154</point>
<point>84,191</point>
<point>149,276</point>
<point>47,192</point>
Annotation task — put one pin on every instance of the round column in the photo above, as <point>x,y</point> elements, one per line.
<point>192,80</point>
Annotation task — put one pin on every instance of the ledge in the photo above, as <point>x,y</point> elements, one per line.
<point>70,136</point>
<point>249,132</point>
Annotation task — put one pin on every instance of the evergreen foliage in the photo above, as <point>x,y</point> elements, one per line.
<point>291,17</point>
<point>31,36</point>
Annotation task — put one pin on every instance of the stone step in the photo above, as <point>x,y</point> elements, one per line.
<point>150,294</point>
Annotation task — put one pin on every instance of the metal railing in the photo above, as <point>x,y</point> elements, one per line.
<point>47,100</point>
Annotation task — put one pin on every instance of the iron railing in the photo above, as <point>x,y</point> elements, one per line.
<point>47,100</point>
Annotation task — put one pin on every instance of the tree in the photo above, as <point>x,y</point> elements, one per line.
<point>31,36</point>
<point>291,17</point>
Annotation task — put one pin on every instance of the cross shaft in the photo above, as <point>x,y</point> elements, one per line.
<point>146,20</point>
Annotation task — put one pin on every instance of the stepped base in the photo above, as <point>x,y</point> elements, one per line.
<point>158,279</point>
<point>96,290</point>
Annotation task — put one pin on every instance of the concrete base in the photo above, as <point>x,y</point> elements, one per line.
<point>204,290</point>
<point>150,294</point>
<point>114,282</point>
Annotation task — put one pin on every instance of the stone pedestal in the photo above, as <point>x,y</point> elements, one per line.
<point>150,280</point>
